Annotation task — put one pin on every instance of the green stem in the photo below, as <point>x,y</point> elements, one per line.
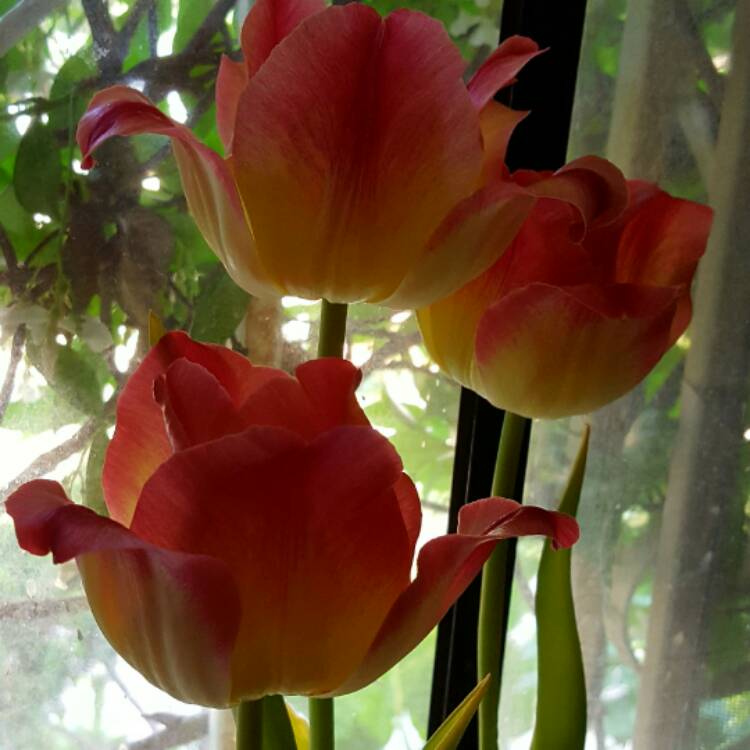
<point>332,329</point>
<point>321,723</point>
<point>495,581</point>
<point>250,725</point>
<point>331,339</point>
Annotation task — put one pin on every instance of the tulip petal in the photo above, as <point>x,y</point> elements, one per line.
<point>206,178</point>
<point>411,508</point>
<point>196,407</point>
<point>173,616</point>
<point>497,123</point>
<point>594,186</point>
<point>321,396</point>
<point>373,142</point>
<point>446,566</point>
<point>230,81</point>
<point>663,239</point>
<point>470,239</point>
<point>500,68</point>
<point>303,526</point>
<point>547,351</point>
<point>541,251</point>
<point>268,23</point>
<point>140,443</point>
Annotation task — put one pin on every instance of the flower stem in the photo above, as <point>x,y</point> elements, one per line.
<point>331,339</point>
<point>250,725</point>
<point>496,579</point>
<point>321,723</point>
<point>332,329</point>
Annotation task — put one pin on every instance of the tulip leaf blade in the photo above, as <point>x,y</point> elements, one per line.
<point>561,691</point>
<point>449,733</point>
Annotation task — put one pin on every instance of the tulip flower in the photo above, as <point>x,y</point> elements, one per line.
<point>261,532</point>
<point>561,326</point>
<point>360,166</point>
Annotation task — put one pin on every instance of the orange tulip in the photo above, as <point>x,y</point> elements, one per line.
<point>560,326</point>
<point>360,166</point>
<point>261,533</point>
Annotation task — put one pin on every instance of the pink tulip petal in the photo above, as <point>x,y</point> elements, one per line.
<point>470,239</point>
<point>230,81</point>
<point>497,123</point>
<point>313,532</point>
<point>446,566</point>
<point>505,519</point>
<point>206,178</point>
<point>321,396</point>
<point>374,140</point>
<point>140,443</point>
<point>594,186</point>
<point>662,240</point>
<point>173,616</point>
<point>268,23</point>
<point>195,405</point>
<point>543,250</point>
<point>411,509</point>
<point>547,351</point>
<point>500,68</point>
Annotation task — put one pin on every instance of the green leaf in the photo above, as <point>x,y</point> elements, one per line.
<point>76,379</point>
<point>561,691</point>
<point>93,496</point>
<point>219,308</point>
<point>70,102</point>
<point>300,727</point>
<point>277,726</point>
<point>48,412</point>
<point>449,733</point>
<point>38,173</point>
<point>663,370</point>
<point>189,17</point>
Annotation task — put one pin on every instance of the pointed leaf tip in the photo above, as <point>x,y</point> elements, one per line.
<point>449,733</point>
<point>561,692</point>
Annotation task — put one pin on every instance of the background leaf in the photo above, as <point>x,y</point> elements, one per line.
<point>38,173</point>
<point>219,308</point>
<point>561,691</point>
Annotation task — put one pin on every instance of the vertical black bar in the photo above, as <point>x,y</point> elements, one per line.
<point>546,87</point>
<point>455,666</point>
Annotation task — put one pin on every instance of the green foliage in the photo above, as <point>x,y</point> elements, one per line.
<point>219,309</point>
<point>450,732</point>
<point>561,690</point>
<point>37,176</point>
<point>93,495</point>
<point>189,17</point>
<point>68,94</point>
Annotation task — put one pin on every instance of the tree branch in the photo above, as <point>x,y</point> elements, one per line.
<point>107,49</point>
<point>125,35</point>
<point>211,24</point>
<point>21,19</point>
<point>16,352</point>
<point>180,731</point>
<point>11,261</point>
<point>40,610</point>
<point>49,460</point>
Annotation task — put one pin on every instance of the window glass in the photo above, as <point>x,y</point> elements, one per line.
<point>662,582</point>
